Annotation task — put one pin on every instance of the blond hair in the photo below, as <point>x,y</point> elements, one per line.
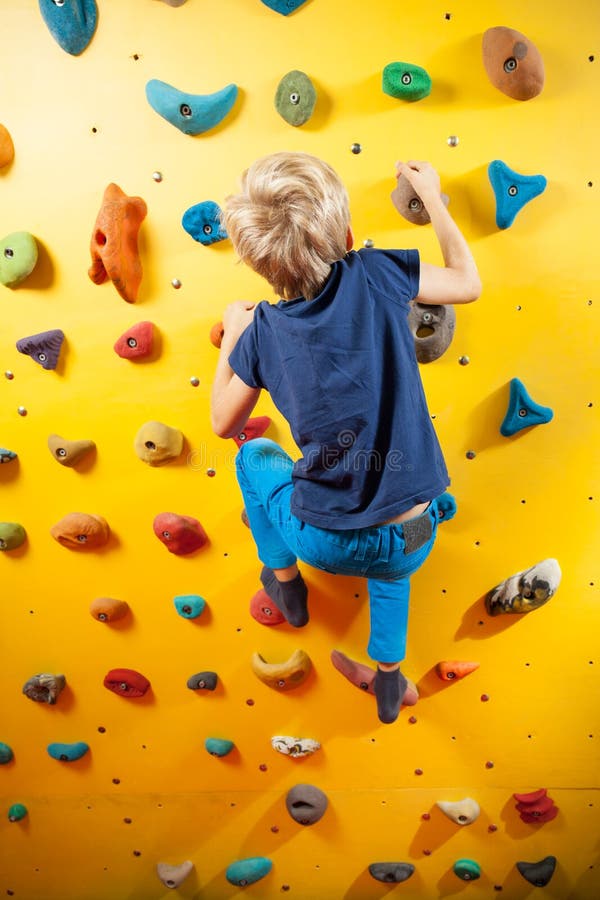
<point>289,222</point>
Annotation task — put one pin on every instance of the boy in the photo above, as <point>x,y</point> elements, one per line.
<point>338,359</point>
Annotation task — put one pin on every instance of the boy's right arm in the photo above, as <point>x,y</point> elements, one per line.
<point>458,280</point>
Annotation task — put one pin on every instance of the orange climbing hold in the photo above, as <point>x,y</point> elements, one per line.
<point>7,149</point>
<point>114,245</point>
<point>450,670</point>
<point>216,334</point>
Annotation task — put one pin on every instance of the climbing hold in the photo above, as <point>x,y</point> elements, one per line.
<point>44,688</point>
<point>174,876</point>
<point>106,609</point>
<point>157,444</point>
<point>432,328</point>
<point>523,412</point>
<point>190,606</point>
<point>467,869</point>
<point>363,676</point>
<point>512,191</point>
<point>405,81</point>
<point>17,812</point>
<point>7,148</point>
<point>69,453</point>
<point>12,535</point>
<point>463,812</point>
<point>409,204</point>
<point>247,871</point>
<point>446,506</point>
<point>295,98</point>
<point>114,242</point>
<point>70,22</point>
<point>282,676</point>
<point>513,63</point>
<point>293,746</point>
<point>136,342</point>
<point>7,456</point>
<point>68,752</point>
<point>18,256</point>
<point>202,681</point>
<point>264,610</point>
<point>454,669</point>
<point>6,754</point>
<point>538,873</point>
<point>203,222</point>
<point>190,113</point>
<point>43,348</point>
<point>126,682</point>
<point>285,7</point>
<point>391,872</point>
<point>306,803</point>
<point>174,3</point>
<point>253,428</point>
<point>179,534</point>
<point>216,334</point>
<point>536,808</point>
<point>81,531</point>
<point>526,590</point>
<point>218,746</point>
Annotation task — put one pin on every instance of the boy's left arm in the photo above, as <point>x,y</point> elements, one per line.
<point>232,400</point>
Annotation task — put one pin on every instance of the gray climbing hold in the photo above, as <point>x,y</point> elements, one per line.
<point>44,688</point>
<point>538,873</point>
<point>202,681</point>
<point>43,348</point>
<point>174,876</point>
<point>306,804</point>
<point>432,328</point>
<point>392,872</point>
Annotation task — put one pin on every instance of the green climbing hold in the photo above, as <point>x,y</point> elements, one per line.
<point>17,812</point>
<point>406,81</point>
<point>6,754</point>
<point>12,535</point>
<point>18,256</point>
<point>467,869</point>
<point>295,98</point>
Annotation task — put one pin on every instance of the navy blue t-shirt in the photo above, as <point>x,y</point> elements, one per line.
<point>342,370</point>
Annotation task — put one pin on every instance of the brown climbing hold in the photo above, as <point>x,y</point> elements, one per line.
<point>216,334</point>
<point>136,342</point>
<point>513,63</point>
<point>282,676</point>
<point>253,428</point>
<point>463,812</point>
<point>69,453</point>
<point>179,534</point>
<point>432,328</point>
<point>7,148</point>
<point>44,688</point>
<point>450,670</point>
<point>264,610</point>
<point>81,531</point>
<point>362,676</point>
<point>156,443</point>
<point>126,682</point>
<point>174,876</point>
<point>114,245</point>
<point>409,204</point>
<point>106,609</point>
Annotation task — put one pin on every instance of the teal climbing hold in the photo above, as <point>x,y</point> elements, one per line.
<point>405,81</point>
<point>512,191</point>
<point>285,7</point>
<point>190,113</point>
<point>218,746</point>
<point>70,22</point>
<point>203,222</point>
<point>68,752</point>
<point>18,256</point>
<point>247,871</point>
<point>190,606</point>
<point>12,535</point>
<point>7,456</point>
<point>6,754</point>
<point>523,412</point>
<point>295,98</point>
<point>467,869</point>
<point>446,506</point>
<point>17,812</point>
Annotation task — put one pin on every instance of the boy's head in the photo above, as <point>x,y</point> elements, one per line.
<point>290,222</point>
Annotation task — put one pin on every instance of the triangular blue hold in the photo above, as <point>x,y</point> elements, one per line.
<point>512,191</point>
<point>71,23</point>
<point>523,412</point>
<point>285,7</point>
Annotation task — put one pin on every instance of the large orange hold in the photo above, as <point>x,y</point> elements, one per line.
<point>114,246</point>
<point>7,149</point>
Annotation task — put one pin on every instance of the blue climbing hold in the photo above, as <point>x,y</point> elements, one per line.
<point>285,7</point>
<point>512,191</point>
<point>247,871</point>
<point>446,506</point>
<point>71,22</point>
<point>68,752</point>
<point>523,412</point>
<point>6,754</point>
<point>203,222</point>
<point>7,456</point>
<point>190,606</point>
<point>191,113</point>
<point>218,746</point>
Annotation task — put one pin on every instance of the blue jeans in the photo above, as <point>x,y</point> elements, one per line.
<point>264,474</point>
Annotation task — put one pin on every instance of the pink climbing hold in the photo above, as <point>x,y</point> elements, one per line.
<point>179,534</point>
<point>253,428</point>
<point>136,342</point>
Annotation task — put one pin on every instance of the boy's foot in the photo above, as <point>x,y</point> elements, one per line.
<point>290,597</point>
<point>390,687</point>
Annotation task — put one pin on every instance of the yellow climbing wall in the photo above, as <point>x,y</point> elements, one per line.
<point>148,791</point>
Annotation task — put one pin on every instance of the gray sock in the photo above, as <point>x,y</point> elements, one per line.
<point>390,688</point>
<point>290,597</point>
